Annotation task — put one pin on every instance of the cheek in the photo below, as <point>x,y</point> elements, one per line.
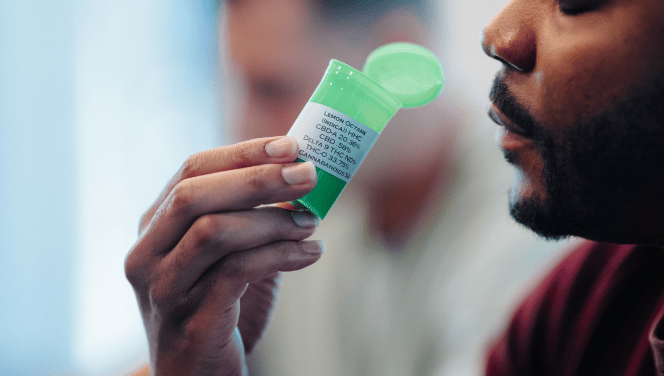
<point>267,118</point>
<point>576,87</point>
<point>585,66</point>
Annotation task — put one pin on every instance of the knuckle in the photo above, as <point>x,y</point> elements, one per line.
<point>162,290</point>
<point>207,230</point>
<point>164,295</point>
<point>233,268</point>
<point>285,229</point>
<point>240,155</point>
<point>295,233</point>
<point>181,198</point>
<point>191,167</point>
<point>255,181</point>
<point>259,180</point>
<point>159,294</point>
<point>174,307</point>
<point>287,247</point>
<point>135,269</point>
<point>131,270</point>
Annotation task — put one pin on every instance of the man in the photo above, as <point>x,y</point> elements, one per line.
<point>579,100</point>
<point>275,54</point>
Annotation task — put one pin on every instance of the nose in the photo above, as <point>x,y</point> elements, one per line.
<point>511,37</point>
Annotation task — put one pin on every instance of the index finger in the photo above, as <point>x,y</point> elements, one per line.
<point>254,152</point>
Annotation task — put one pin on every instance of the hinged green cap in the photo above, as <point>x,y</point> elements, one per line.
<point>410,72</point>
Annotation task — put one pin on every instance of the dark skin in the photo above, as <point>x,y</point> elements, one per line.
<point>579,73</point>
<point>564,61</point>
<point>204,248</point>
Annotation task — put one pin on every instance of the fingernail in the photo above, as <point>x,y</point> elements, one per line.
<point>299,173</point>
<point>315,247</point>
<point>281,148</point>
<point>304,218</point>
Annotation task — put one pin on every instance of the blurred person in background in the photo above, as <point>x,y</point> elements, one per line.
<point>276,53</point>
<point>416,241</point>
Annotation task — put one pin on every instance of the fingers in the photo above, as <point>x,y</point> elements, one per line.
<point>204,241</point>
<point>255,308</point>
<point>232,274</point>
<point>214,236</point>
<point>221,286</point>
<point>244,154</point>
<point>234,190</point>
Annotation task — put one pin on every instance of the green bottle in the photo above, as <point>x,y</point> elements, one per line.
<point>349,109</point>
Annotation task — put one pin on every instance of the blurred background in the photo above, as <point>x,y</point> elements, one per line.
<point>100,103</point>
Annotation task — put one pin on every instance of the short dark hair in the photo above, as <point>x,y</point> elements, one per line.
<point>366,11</point>
<point>369,10</point>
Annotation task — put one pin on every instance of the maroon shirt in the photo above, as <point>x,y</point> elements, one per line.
<point>598,312</point>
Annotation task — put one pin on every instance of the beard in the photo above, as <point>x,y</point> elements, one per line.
<point>602,176</point>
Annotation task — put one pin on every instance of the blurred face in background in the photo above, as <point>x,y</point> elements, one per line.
<point>276,51</point>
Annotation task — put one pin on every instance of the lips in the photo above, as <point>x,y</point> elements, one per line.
<point>502,120</point>
<point>511,138</point>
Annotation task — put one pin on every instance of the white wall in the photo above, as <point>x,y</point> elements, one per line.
<point>146,100</point>
<point>100,102</point>
<point>38,187</point>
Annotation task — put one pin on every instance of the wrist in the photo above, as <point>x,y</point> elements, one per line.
<point>199,358</point>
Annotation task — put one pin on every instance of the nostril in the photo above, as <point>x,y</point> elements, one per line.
<point>516,54</point>
<point>511,40</point>
<point>509,64</point>
<point>490,50</point>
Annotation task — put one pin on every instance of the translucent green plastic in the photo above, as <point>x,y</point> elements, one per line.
<point>410,72</point>
<point>345,89</point>
<point>394,76</point>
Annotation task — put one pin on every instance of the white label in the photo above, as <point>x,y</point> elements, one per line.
<point>333,141</point>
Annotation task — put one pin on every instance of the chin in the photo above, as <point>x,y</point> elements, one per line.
<point>535,216</point>
<point>556,219</point>
<point>536,210</point>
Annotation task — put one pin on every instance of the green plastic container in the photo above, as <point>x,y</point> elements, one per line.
<point>349,109</point>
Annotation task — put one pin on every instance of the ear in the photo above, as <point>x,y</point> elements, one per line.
<point>399,25</point>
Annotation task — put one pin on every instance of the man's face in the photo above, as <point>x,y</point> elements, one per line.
<point>581,98</point>
<point>266,41</point>
<point>276,52</point>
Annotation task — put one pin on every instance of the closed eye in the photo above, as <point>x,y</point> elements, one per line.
<point>577,7</point>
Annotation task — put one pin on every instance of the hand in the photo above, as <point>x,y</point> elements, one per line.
<point>206,263</point>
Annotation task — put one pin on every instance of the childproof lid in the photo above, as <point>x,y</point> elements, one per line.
<point>408,71</point>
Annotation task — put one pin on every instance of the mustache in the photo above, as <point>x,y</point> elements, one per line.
<point>507,103</point>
